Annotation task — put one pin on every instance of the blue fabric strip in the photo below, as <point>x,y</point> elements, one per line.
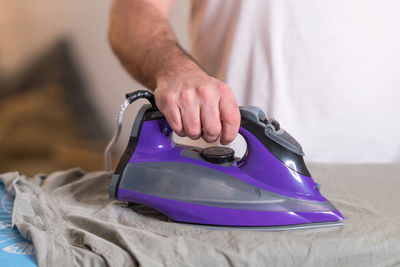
<point>14,249</point>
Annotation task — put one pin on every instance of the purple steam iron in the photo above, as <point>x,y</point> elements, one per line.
<point>269,188</point>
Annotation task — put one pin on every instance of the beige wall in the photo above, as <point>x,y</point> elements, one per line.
<point>28,27</point>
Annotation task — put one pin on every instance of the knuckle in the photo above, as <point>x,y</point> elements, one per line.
<point>187,95</point>
<point>233,118</point>
<point>229,140</point>
<point>209,139</point>
<point>229,137</point>
<point>175,126</point>
<point>212,132</point>
<point>192,132</point>
<point>203,91</point>
<point>168,99</point>
<point>223,88</point>
<point>180,134</point>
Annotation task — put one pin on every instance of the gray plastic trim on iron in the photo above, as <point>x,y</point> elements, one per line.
<point>285,139</point>
<point>195,184</point>
<point>138,120</point>
<point>280,136</point>
<point>252,113</point>
<point>113,186</point>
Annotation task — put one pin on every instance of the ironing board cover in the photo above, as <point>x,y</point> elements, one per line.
<point>14,249</point>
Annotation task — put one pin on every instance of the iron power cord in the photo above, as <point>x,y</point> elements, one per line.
<point>130,98</point>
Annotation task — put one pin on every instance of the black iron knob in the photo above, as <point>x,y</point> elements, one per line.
<point>218,154</point>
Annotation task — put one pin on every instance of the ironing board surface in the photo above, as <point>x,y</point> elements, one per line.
<point>14,249</point>
<point>71,210</point>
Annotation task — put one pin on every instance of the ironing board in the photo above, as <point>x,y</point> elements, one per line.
<point>87,228</point>
<point>14,249</point>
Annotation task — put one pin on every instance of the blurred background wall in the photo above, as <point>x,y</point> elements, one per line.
<point>51,51</point>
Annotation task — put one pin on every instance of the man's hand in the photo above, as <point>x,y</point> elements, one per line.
<point>196,104</point>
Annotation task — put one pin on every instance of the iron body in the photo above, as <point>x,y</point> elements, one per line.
<point>269,188</point>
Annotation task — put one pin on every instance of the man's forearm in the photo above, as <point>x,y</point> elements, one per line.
<point>144,42</point>
<point>194,103</point>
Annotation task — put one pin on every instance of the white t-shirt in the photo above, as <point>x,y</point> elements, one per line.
<point>328,71</point>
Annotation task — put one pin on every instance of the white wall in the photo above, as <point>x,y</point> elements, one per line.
<point>26,27</point>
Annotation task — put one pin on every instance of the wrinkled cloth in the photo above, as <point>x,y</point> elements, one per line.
<point>71,221</point>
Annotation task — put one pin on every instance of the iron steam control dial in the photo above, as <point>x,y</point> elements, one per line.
<point>218,154</point>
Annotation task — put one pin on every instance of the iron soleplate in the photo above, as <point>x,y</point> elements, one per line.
<point>267,228</point>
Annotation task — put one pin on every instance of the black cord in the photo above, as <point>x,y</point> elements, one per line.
<point>132,97</point>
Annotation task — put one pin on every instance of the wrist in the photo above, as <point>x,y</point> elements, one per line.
<point>178,69</point>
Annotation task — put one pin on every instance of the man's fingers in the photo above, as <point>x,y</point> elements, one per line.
<point>167,103</point>
<point>211,122</point>
<point>190,113</point>
<point>191,122</point>
<point>208,108</point>
<point>230,118</point>
<point>173,116</point>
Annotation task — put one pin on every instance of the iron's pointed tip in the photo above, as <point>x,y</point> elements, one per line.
<point>339,216</point>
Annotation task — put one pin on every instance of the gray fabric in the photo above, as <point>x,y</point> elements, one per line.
<point>71,221</point>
